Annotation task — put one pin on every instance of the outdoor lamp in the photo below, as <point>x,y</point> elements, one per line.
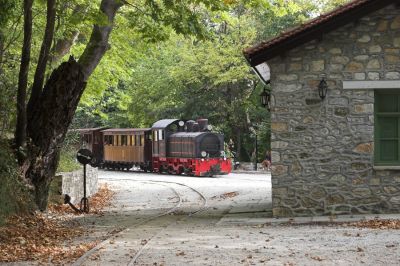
<point>322,88</point>
<point>264,97</point>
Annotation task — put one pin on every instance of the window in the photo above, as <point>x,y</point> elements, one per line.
<point>108,140</point>
<point>116,140</point>
<point>160,134</point>
<point>124,140</point>
<point>387,128</point>
<point>155,135</point>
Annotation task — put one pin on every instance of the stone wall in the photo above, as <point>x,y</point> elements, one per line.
<point>322,150</point>
<point>72,183</point>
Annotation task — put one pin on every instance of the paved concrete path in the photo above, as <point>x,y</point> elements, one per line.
<point>177,220</point>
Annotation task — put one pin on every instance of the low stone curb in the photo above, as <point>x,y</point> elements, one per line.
<point>258,219</point>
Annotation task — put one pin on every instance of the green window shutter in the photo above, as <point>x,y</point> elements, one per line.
<point>387,132</point>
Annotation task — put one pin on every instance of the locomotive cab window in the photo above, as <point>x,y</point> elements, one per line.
<point>155,135</point>
<point>160,134</point>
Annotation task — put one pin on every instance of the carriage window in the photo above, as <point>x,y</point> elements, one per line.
<point>124,140</point>
<point>108,140</point>
<point>141,137</point>
<point>116,141</point>
<point>96,139</point>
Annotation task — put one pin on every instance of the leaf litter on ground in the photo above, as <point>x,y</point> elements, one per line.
<point>49,237</point>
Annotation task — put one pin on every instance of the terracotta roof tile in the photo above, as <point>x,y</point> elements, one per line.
<point>309,25</point>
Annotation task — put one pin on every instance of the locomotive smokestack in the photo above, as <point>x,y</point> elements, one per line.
<point>203,123</point>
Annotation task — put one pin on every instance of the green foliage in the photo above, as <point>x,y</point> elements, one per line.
<point>191,78</point>
<point>14,195</point>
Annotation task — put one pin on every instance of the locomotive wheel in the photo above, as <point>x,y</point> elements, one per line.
<point>171,170</point>
<point>180,171</point>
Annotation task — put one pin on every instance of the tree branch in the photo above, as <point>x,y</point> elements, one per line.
<point>98,43</point>
<point>20,132</point>
<point>44,54</point>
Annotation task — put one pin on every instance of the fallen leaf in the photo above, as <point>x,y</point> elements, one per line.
<point>182,253</point>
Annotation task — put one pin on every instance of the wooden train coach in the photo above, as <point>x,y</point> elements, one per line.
<point>125,148</point>
<point>170,146</point>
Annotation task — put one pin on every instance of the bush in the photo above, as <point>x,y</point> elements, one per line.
<point>14,195</point>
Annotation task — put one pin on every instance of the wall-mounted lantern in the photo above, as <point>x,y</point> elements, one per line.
<point>265,98</point>
<point>264,74</point>
<point>322,88</point>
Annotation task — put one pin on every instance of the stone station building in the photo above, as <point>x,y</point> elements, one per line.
<point>340,154</point>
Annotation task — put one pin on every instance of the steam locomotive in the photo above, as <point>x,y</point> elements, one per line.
<point>170,146</point>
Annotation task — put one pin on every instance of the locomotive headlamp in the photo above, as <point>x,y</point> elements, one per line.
<point>181,123</point>
<point>222,153</point>
<point>209,127</point>
<point>203,154</point>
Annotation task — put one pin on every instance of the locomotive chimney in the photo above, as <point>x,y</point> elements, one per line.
<point>203,123</point>
<point>189,125</point>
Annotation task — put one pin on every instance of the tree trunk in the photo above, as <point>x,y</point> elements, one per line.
<point>1,50</point>
<point>49,123</point>
<point>53,111</point>
<point>20,132</point>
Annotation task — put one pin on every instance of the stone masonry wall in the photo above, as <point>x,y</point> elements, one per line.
<point>322,151</point>
<point>72,183</point>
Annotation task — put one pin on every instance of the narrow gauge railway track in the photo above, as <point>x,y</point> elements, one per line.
<point>178,204</point>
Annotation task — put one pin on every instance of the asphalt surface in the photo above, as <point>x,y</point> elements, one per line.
<point>178,220</point>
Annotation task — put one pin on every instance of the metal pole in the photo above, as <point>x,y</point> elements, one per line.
<point>255,157</point>
<point>84,181</point>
